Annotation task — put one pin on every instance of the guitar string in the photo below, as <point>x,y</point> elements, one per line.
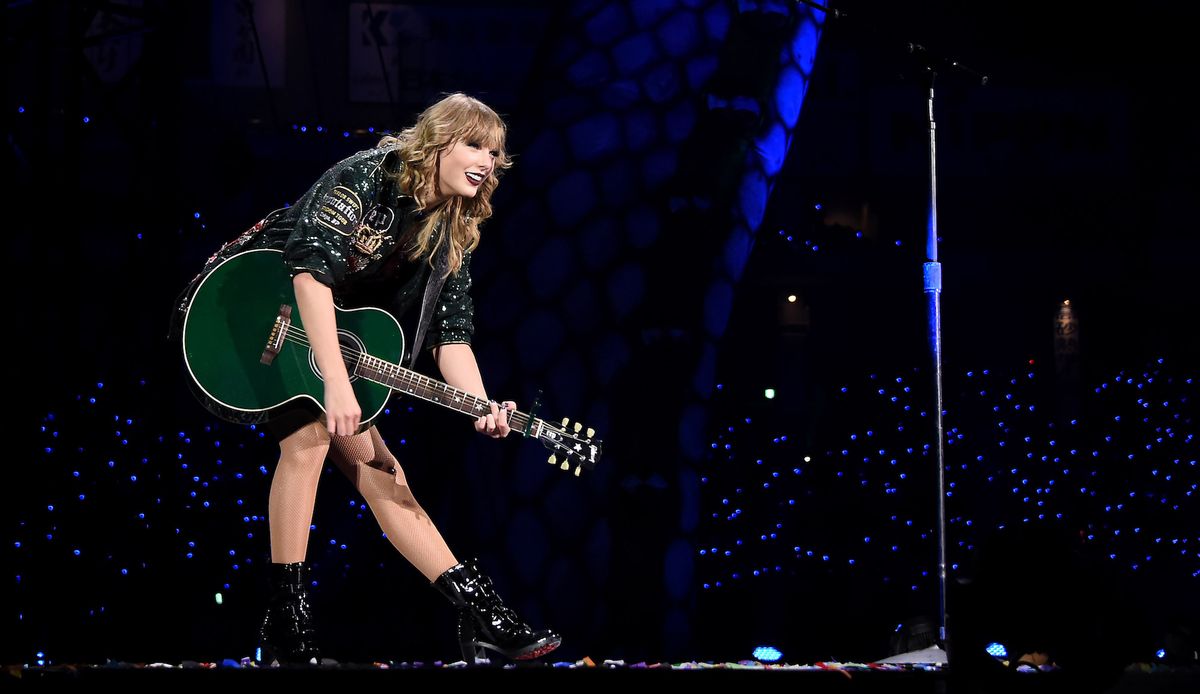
<point>519,418</point>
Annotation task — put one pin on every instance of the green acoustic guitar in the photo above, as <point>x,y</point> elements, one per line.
<point>246,351</point>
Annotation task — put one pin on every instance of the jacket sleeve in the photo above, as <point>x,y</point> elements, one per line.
<point>454,317</point>
<point>329,215</point>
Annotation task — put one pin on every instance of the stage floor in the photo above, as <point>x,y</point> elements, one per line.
<point>820,677</point>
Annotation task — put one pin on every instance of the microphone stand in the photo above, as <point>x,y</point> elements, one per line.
<point>930,65</point>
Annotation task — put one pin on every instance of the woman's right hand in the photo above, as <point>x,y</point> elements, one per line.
<point>342,412</point>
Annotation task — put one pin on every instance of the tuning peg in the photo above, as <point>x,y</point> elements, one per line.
<point>578,469</point>
<point>553,459</point>
<point>566,465</point>
<point>566,421</point>
<point>578,427</point>
<point>591,432</point>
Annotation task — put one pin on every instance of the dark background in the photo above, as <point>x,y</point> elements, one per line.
<point>1063,178</point>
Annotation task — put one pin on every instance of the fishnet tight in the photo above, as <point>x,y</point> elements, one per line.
<point>373,470</point>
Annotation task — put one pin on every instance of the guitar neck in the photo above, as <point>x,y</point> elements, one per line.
<point>411,383</point>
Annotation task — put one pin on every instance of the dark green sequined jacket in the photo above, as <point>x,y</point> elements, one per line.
<point>346,231</point>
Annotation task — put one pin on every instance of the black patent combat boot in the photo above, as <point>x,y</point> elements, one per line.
<point>288,633</point>
<point>485,623</point>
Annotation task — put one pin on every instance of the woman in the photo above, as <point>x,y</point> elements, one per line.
<point>386,226</point>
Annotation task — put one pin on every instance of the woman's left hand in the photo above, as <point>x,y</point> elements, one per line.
<point>495,424</point>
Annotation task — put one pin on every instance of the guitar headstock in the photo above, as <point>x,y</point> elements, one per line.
<point>571,445</point>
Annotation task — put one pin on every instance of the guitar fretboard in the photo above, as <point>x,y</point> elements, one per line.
<point>412,383</point>
<point>580,453</point>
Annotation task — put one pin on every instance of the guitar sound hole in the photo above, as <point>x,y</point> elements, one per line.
<point>351,346</point>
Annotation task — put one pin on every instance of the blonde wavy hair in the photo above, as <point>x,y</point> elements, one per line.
<point>454,118</point>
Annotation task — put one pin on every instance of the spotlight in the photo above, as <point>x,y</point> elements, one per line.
<point>768,654</point>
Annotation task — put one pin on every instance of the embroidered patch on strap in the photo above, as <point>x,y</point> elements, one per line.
<point>339,210</point>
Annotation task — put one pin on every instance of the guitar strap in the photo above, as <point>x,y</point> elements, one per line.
<point>433,287</point>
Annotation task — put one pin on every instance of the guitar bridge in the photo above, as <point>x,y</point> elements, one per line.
<point>279,329</point>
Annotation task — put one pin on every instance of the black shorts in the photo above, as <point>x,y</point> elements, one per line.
<point>291,421</point>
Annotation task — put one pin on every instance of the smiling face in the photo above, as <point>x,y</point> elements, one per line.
<point>464,167</point>
<point>454,154</point>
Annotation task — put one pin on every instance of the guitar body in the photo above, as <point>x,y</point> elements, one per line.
<point>228,325</point>
<point>246,350</point>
